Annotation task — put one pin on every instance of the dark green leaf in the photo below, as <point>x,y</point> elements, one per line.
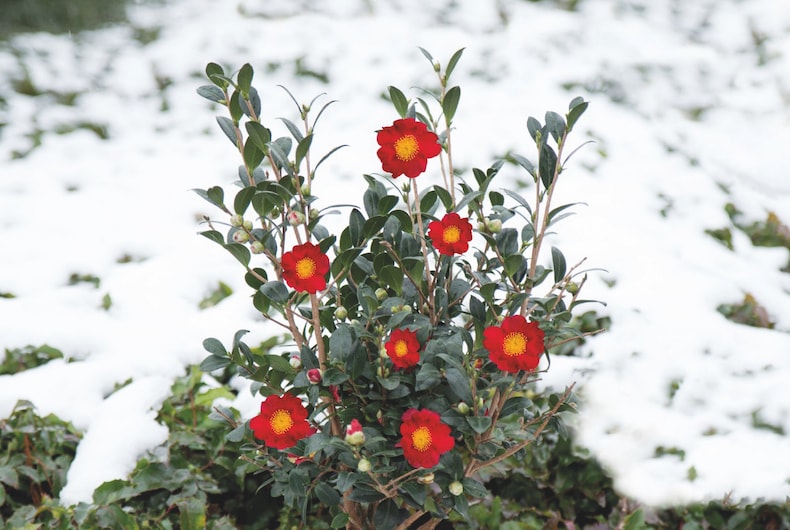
<point>211,93</point>
<point>523,162</point>
<point>242,200</point>
<point>399,101</point>
<point>387,515</point>
<point>340,341</point>
<point>479,423</point>
<point>474,488</point>
<point>519,199</point>
<point>215,347</point>
<point>451,64</point>
<point>244,79</point>
<point>513,264</point>
<point>253,156</point>
<point>302,149</point>
<point>213,69</point>
<point>547,165</point>
<point>216,196</point>
<point>428,377</point>
<point>275,291</point>
<point>507,241</point>
<point>459,384</point>
<point>259,134</point>
<point>228,128</point>
<point>240,252</point>
<point>426,54</point>
<point>534,127</point>
<point>577,108</point>
<point>477,309</point>
<point>214,362</point>
<point>327,494</point>
<point>293,129</point>
<point>214,236</point>
<point>392,277</point>
<point>450,103</point>
<point>340,521</point>
<point>555,124</point>
<point>558,262</point>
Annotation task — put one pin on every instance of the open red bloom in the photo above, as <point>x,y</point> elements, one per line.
<point>282,421</point>
<point>403,348</point>
<point>305,268</point>
<point>515,345</point>
<point>425,437</point>
<point>451,235</point>
<point>406,146</point>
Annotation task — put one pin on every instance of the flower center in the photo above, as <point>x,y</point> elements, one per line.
<point>451,234</point>
<point>421,438</point>
<point>401,348</point>
<point>305,268</point>
<point>514,344</point>
<point>406,147</point>
<point>281,421</point>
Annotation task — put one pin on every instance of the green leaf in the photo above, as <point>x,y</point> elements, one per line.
<point>244,79</point>
<point>479,423</point>
<point>392,276</point>
<point>450,103</point>
<point>534,127</point>
<point>302,149</point>
<point>547,165</point>
<point>635,520</point>
<point>426,54</point>
<point>428,377</point>
<point>327,494</point>
<point>228,128</point>
<point>9,477</point>
<point>259,134</point>
<point>215,347</point>
<point>216,196</point>
<point>193,513</point>
<point>293,129</point>
<point>555,124</point>
<point>576,109</point>
<point>340,341</point>
<point>240,252</point>
<point>451,64</point>
<point>275,290</point>
<point>399,101</point>
<point>558,262</point>
<point>242,200</point>
<point>474,488</point>
<point>507,241</point>
<point>214,362</point>
<point>253,156</point>
<point>213,69</point>
<point>340,521</point>
<point>387,515</point>
<point>445,197</point>
<point>237,434</point>
<point>215,236</point>
<point>523,162</point>
<point>211,93</point>
<point>513,264</point>
<point>459,384</point>
<point>519,199</point>
<point>356,222</point>
<point>477,309</point>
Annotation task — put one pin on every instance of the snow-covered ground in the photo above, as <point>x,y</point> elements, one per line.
<point>690,110</point>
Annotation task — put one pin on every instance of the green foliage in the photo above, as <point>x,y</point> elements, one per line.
<point>20,359</point>
<point>35,454</point>
<point>55,16</point>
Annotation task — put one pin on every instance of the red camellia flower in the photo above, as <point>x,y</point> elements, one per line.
<point>282,421</point>
<point>305,268</point>
<point>406,147</point>
<point>425,437</point>
<point>515,345</point>
<point>403,348</point>
<point>451,235</point>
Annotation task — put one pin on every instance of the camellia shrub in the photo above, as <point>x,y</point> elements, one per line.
<point>416,333</point>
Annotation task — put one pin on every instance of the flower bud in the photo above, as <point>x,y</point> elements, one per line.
<point>363,466</point>
<point>379,416</point>
<point>341,313</point>
<point>455,488</point>
<point>354,434</point>
<point>314,376</point>
<point>463,408</point>
<point>295,362</point>
<point>381,371</point>
<point>314,214</point>
<point>305,189</point>
<point>240,236</point>
<point>381,294</point>
<point>572,287</point>
<point>295,218</point>
<point>494,225</point>
<point>247,224</point>
<point>481,226</point>
<point>236,220</point>
<point>426,479</point>
<point>257,247</point>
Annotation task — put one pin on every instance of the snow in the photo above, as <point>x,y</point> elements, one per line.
<point>688,112</point>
